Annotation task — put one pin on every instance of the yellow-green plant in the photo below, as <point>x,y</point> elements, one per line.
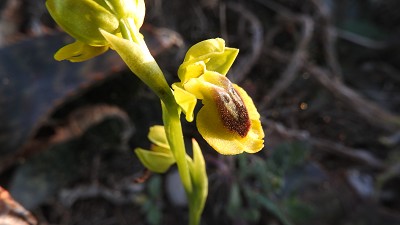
<point>228,120</point>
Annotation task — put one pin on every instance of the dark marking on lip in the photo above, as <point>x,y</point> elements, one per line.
<point>232,110</point>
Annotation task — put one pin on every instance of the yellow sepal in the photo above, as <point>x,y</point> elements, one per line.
<point>78,52</point>
<point>185,100</point>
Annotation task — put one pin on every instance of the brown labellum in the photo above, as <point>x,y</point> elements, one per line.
<point>232,111</point>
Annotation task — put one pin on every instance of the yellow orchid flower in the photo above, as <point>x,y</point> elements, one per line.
<point>228,120</point>
<point>159,158</point>
<point>84,20</point>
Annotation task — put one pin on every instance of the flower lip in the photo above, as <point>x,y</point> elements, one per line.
<point>232,111</point>
<point>219,137</point>
<point>228,119</point>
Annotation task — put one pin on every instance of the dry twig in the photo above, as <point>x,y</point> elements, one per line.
<point>297,59</point>
<point>359,155</point>
<point>75,126</point>
<point>370,111</point>
<point>124,192</point>
<point>11,212</point>
<point>361,40</point>
<point>329,36</point>
<point>243,67</point>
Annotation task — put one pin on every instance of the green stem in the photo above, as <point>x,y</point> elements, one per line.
<point>194,216</point>
<point>173,129</point>
<point>150,73</point>
<point>134,51</point>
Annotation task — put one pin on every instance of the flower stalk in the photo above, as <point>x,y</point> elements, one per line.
<point>173,130</point>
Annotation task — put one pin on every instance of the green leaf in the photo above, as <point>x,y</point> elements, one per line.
<point>365,28</point>
<point>272,208</point>
<point>235,201</point>
<point>298,211</point>
<point>154,187</point>
<point>288,155</point>
<point>151,207</point>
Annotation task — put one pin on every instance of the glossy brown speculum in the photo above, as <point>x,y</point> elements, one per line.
<point>232,110</point>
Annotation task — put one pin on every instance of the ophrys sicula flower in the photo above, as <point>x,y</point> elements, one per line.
<point>84,19</point>
<point>228,120</point>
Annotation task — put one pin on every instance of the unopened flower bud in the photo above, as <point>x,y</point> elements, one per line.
<point>83,18</point>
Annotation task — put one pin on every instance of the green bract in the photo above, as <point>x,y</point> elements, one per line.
<point>83,18</point>
<point>197,168</point>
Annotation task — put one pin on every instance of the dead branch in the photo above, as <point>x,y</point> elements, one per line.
<point>297,59</point>
<point>373,113</point>
<point>10,21</point>
<point>329,36</point>
<point>77,123</point>
<point>222,22</point>
<point>11,212</point>
<point>243,67</point>
<point>124,192</point>
<point>369,110</point>
<point>276,7</point>
<point>360,40</point>
<point>358,155</point>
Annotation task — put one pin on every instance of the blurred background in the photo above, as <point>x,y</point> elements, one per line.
<point>324,75</point>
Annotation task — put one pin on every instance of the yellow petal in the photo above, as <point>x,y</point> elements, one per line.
<point>202,86</point>
<point>193,70</point>
<point>185,100</point>
<point>212,53</point>
<point>204,49</point>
